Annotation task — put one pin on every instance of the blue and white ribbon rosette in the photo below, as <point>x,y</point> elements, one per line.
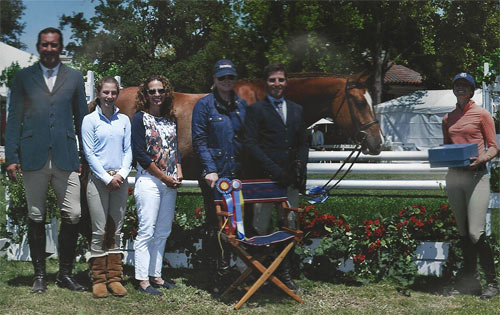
<point>233,198</point>
<point>319,193</point>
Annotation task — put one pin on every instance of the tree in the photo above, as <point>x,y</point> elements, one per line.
<point>465,31</point>
<point>11,28</point>
<point>139,38</point>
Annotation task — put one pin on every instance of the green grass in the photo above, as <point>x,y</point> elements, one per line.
<point>195,297</point>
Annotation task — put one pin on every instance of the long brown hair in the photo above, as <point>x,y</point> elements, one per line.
<point>142,103</point>
<point>96,101</point>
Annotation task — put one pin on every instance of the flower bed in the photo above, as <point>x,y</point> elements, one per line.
<point>380,248</point>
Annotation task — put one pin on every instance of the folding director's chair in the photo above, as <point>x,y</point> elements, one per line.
<point>228,196</point>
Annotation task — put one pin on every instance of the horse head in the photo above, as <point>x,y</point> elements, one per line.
<point>356,103</point>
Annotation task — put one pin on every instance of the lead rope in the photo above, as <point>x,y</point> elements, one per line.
<point>320,194</point>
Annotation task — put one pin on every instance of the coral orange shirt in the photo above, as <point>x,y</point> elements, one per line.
<point>473,124</point>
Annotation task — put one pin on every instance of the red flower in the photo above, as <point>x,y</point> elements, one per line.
<point>402,212</point>
<point>197,212</point>
<point>358,258</point>
<point>377,222</point>
<point>420,223</point>
<point>130,191</point>
<point>380,231</point>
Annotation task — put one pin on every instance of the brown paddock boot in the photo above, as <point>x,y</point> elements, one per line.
<point>115,275</point>
<point>98,276</point>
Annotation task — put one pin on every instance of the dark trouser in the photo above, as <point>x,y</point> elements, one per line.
<point>218,254</point>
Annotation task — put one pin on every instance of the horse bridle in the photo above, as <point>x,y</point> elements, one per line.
<point>360,134</point>
<point>359,137</point>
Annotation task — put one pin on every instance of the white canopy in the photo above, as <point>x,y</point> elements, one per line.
<point>322,121</point>
<point>11,54</point>
<point>416,117</point>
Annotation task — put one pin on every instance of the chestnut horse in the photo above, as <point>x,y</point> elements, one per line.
<point>346,100</point>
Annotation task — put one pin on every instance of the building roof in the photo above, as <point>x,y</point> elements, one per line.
<point>402,75</point>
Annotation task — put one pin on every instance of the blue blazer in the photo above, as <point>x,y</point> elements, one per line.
<point>272,146</point>
<point>39,120</point>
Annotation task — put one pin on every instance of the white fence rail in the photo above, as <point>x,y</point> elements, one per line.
<point>388,162</point>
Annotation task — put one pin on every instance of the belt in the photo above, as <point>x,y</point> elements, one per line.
<point>112,172</point>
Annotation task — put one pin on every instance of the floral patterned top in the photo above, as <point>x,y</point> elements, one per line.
<point>154,139</point>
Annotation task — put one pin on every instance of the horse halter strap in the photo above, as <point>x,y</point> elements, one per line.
<point>360,135</point>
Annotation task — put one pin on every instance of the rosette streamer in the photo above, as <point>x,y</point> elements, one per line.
<point>233,200</point>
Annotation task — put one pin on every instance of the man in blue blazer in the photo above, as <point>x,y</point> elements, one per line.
<point>46,110</point>
<point>276,144</point>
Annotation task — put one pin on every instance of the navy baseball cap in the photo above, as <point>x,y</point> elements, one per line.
<point>467,77</point>
<point>224,67</point>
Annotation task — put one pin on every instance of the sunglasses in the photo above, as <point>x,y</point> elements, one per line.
<point>272,80</point>
<point>107,92</point>
<point>227,77</point>
<point>53,45</point>
<point>154,91</point>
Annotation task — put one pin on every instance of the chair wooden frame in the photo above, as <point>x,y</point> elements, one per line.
<point>254,262</point>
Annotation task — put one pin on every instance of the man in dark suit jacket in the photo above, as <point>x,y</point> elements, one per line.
<point>277,148</point>
<point>46,110</point>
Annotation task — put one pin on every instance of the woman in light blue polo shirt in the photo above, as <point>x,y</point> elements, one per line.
<point>106,144</point>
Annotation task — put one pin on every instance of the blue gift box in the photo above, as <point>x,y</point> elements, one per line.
<point>452,155</point>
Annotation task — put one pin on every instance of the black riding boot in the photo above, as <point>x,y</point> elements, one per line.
<point>68,236</point>
<point>488,265</point>
<point>467,281</point>
<point>37,241</point>
<point>285,274</point>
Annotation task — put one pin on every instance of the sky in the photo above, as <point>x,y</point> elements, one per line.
<point>40,14</point>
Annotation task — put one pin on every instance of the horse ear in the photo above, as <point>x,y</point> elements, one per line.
<point>364,77</point>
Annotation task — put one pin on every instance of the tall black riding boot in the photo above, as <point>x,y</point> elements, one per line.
<point>488,265</point>
<point>285,274</point>
<point>68,236</point>
<point>467,281</point>
<point>37,242</point>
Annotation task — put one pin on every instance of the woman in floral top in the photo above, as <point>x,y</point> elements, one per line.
<point>159,173</point>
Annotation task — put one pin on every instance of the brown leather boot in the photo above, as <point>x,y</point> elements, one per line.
<point>98,276</point>
<point>115,275</point>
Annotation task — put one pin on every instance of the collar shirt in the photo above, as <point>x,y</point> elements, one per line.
<point>473,124</point>
<point>106,144</point>
<point>275,101</point>
<point>50,75</point>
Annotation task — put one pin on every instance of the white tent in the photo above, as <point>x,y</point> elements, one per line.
<point>416,117</point>
<point>11,54</point>
<point>322,121</point>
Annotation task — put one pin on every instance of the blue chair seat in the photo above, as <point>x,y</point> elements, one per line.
<point>264,240</point>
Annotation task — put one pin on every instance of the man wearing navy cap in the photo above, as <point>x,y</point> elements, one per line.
<point>217,131</point>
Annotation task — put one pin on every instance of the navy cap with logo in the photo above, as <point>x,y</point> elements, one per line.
<point>468,78</point>
<point>224,67</point>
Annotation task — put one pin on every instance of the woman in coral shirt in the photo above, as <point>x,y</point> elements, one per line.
<point>469,188</point>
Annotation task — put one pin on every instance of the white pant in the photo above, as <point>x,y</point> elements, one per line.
<point>155,209</point>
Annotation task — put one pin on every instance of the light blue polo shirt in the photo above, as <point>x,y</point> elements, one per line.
<point>106,144</point>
